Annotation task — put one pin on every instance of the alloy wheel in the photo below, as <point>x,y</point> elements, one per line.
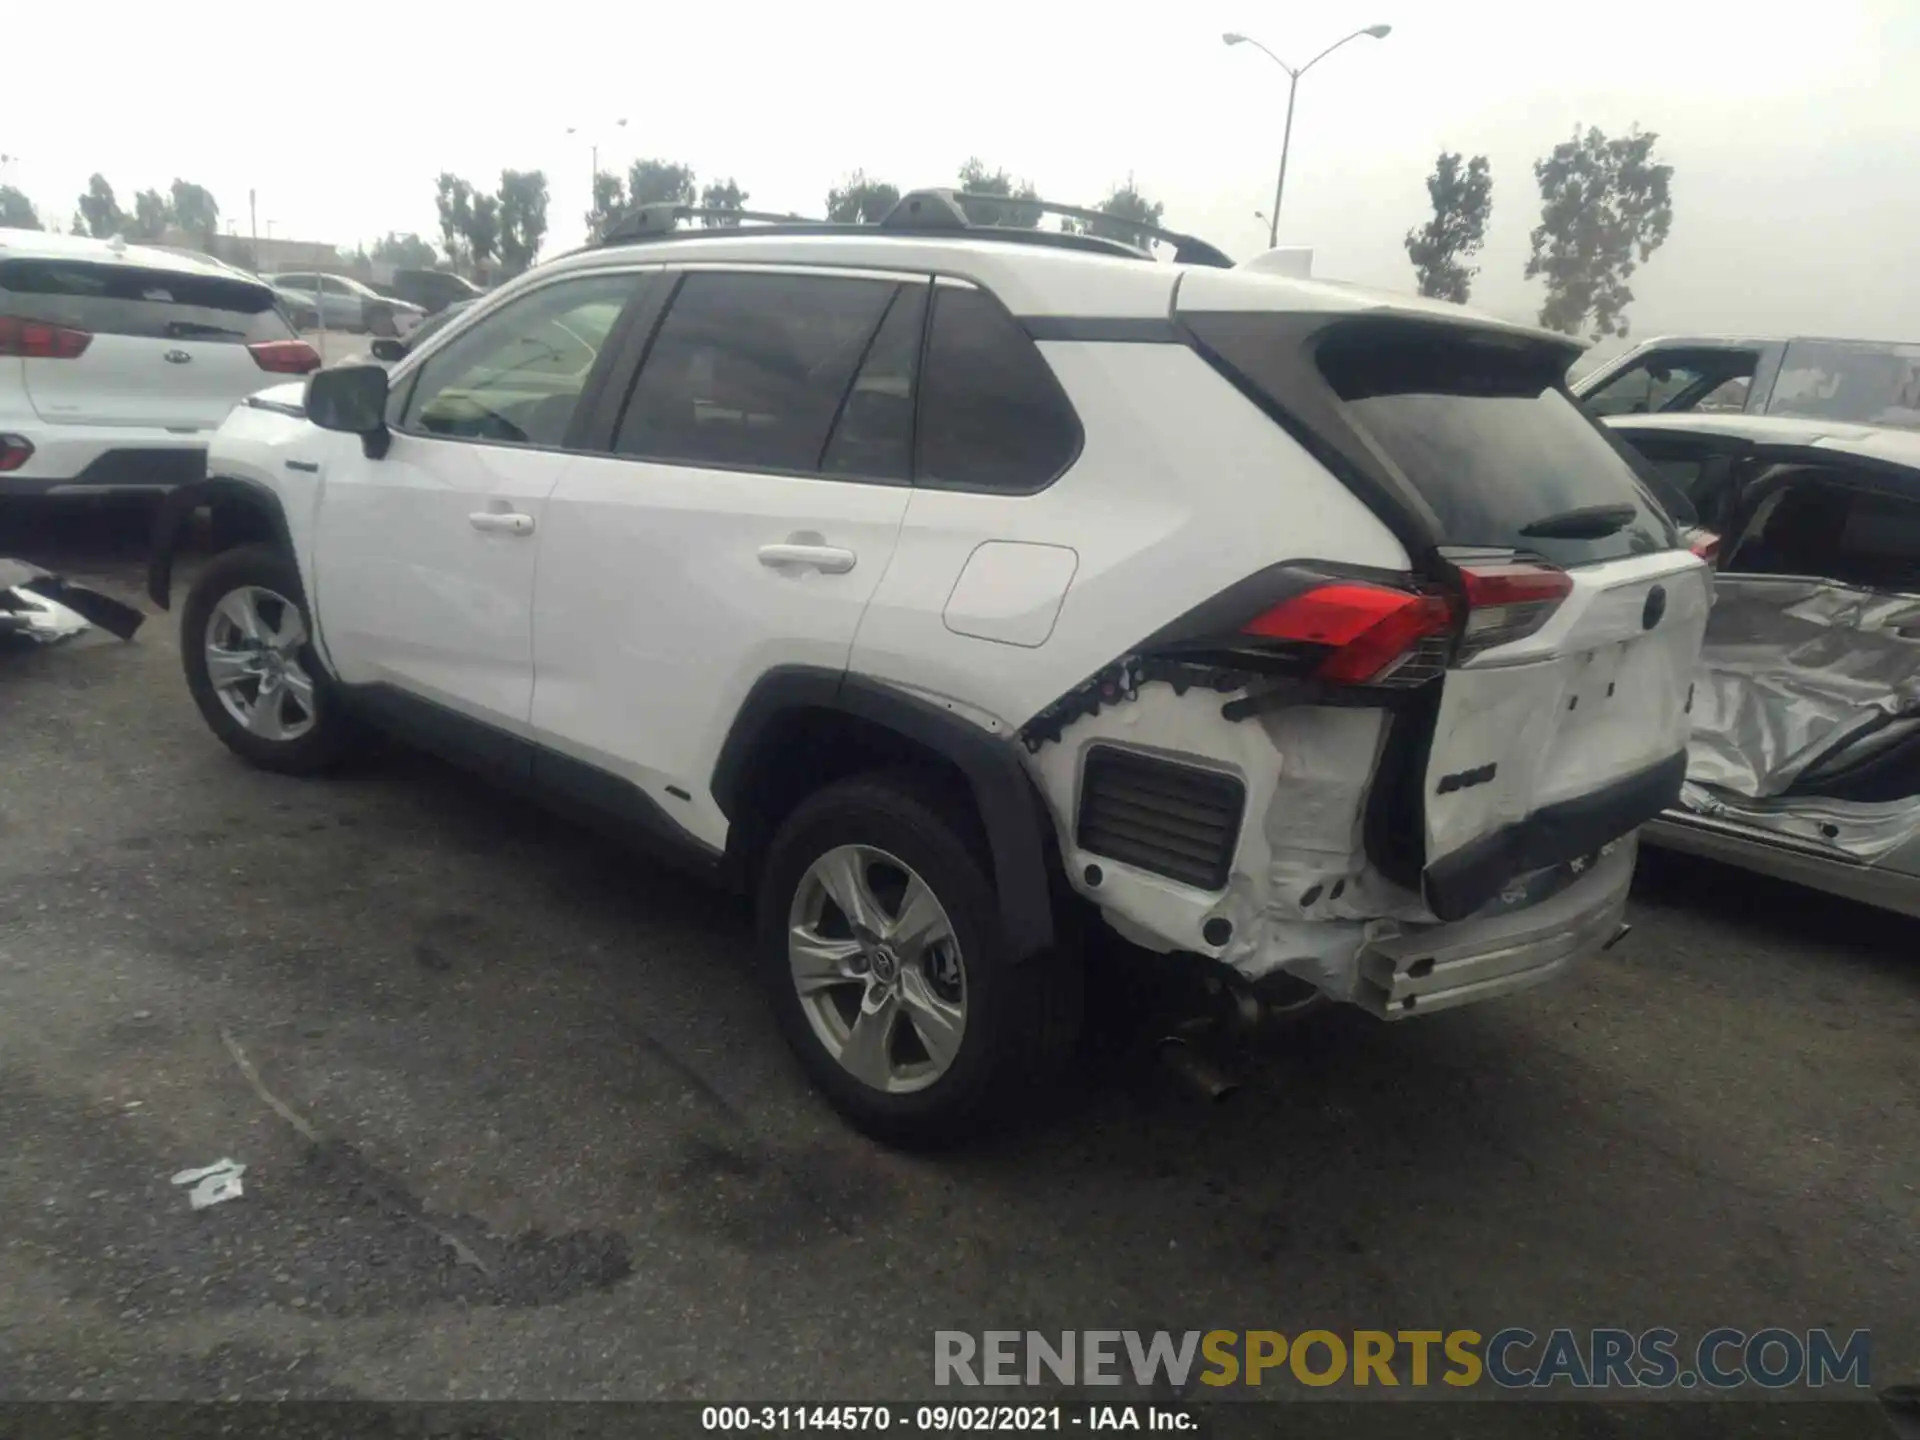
<point>252,646</point>
<point>878,968</point>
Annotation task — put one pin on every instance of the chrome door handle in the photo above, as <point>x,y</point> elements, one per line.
<point>828,559</point>
<point>501,522</point>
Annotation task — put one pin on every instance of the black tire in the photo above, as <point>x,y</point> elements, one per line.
<point>1022,1018</point>
<point>333,731</point>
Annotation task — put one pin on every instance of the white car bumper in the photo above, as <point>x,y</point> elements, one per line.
<point>104,459</point>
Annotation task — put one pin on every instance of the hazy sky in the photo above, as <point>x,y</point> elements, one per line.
<point>1795,144</point>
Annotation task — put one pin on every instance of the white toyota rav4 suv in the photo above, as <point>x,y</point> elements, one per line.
<point>941,584</point>
<point>118,361</point>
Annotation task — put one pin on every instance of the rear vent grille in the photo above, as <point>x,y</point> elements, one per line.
<point>1173,820</point>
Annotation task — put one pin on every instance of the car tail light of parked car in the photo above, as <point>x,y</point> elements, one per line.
<point>1702,542</point>
<point>34,340</point>
<point>15,451</point>
<point>285,357</point>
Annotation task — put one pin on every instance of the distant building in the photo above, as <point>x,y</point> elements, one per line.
<point>266,255</point>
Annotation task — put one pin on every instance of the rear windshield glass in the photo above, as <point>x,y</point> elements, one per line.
<point>1502,455</point>
<point>130,300</point>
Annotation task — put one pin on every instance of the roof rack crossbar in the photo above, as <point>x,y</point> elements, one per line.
<point>921,212</point>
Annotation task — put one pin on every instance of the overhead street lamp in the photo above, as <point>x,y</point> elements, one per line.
<point>1376,32</point>
<point>575,130</point>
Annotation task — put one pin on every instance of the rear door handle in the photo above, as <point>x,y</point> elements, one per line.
<point>828,559</point>
<point>501,522</point>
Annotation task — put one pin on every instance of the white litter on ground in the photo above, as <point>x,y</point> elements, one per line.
<point>212,1183</point>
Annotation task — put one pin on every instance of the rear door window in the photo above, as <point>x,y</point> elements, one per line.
<point>1500,453</point>
<point>748,370</point>
<point>108,299</point>
<point>873,438</point>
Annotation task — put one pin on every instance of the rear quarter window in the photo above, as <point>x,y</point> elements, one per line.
<point>107,299</point>
<point>1499,451</point>
<point>992,416</point>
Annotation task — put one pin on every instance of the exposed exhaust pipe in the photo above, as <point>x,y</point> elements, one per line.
<point>1205,1078</point>
<point>1618,935</point>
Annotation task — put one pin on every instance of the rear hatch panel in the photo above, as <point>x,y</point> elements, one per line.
<point>168,349</point>
<point>1460,435</point>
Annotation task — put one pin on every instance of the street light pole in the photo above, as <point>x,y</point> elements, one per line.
<point>594,151</point>
<point>1376,32</point>
<point>1286,144</point>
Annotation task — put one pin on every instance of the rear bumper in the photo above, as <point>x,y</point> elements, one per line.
<point>94,460</point>
<point>1459,884</point>
<point>1422,971</point>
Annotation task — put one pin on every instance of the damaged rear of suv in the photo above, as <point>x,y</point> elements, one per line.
<point>1404,762</point>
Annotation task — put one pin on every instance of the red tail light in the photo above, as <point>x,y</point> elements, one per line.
<point>1370,631</point>
<point>285,357</point>
<point>36,340</point>
<point>15,451</point>
<point>1508,601</point>
<point>1702,542</point>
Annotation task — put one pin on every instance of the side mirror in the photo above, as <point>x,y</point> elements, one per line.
<point>353,400</point>
<point>387,349</point>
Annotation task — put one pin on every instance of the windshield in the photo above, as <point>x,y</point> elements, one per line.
<point>1859,382</point>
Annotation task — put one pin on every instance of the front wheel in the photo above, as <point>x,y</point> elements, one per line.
<point>890,974</point>
<point>251,667</point>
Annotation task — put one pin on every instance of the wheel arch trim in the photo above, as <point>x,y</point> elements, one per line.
<point>1008,807</point>
<point>183,500</point>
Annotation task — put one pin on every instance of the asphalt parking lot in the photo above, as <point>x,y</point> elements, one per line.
<point>516,1123</point>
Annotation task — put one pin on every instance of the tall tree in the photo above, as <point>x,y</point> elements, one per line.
<point>404,252</point>
<point>523,217</point>
<point>1126,203</point>
<point>1605,207</point>
<point>16,210</point>
<point>658,182</point>
<point>722,195</point>
<point>609,203</point>
<point>152,214</point>
<point>860,201</point>
<point>483,228</point>
<point>99,214</point>
<point>195,210</point>
<point>976,179</point>
<point>454,200</point>
<point>1462,202</point>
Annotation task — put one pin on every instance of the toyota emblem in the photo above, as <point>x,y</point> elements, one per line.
<point>177,357</point>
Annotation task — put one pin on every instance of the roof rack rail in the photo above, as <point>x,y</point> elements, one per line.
<point>920,212</point>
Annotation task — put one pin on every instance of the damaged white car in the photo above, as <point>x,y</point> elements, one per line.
<point>938,584</point>
<point>1805,758</point>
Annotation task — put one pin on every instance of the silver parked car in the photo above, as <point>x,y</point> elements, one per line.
<point>1804,761</point>
<point>340,302</point>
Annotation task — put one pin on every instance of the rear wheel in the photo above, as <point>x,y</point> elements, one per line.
<point>883,952</point>
<point>250,665</point>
